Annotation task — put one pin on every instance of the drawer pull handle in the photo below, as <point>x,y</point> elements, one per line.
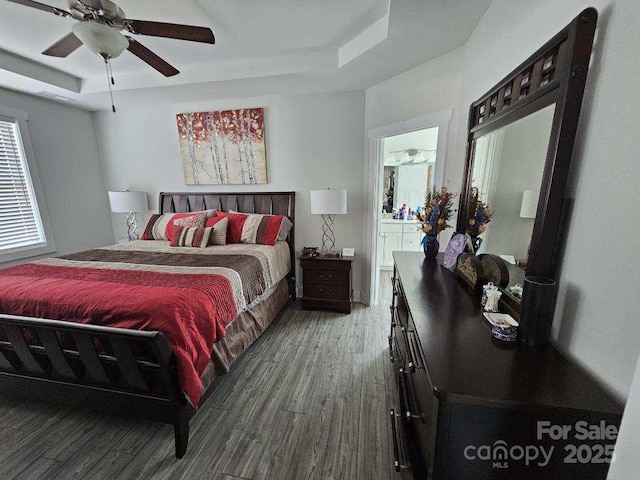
<point>411,363</point>
<point>394,436</point>
<point>324,276</point>
<point>328,290</point>
<point>404,405</point>
<point>415,349</point>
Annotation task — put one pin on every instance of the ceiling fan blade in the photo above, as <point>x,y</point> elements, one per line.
<point>170,30</point>
<point>95,4</point>
<point>63,47</point>
<point>42,6</point>
<point>146,55</point>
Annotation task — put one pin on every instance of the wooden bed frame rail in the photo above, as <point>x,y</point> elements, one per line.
<point>116,370</point>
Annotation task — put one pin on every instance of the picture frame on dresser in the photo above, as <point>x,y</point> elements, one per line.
<point>454,248</point>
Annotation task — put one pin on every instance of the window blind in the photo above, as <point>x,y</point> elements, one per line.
<point>20,224</point>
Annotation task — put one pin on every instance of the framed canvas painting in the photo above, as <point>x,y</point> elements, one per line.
<point>454,249</point>
<point>224,147</point>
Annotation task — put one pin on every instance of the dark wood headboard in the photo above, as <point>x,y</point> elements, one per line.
<point>274,203</point>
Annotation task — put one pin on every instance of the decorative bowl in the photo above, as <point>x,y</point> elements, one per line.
<point>509,334</point>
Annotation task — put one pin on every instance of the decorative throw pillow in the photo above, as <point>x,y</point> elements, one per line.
<point>218,227</point>
<point>264,229</point>
<point>160,227</point>
<point>236,223</point>
<point>208,213</point>
<point>285,228</point>
<point>190,236</point>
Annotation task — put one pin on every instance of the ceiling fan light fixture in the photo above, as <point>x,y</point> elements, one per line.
<point>101,39</point>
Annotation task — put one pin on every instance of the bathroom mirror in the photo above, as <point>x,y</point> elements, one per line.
<point>409,168</point>
<point>520,142</point>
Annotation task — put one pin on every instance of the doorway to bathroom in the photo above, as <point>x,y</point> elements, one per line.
<point>405,160</point>
<point>408,163</point>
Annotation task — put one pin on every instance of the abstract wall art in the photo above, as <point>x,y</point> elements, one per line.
<point>223,148</point>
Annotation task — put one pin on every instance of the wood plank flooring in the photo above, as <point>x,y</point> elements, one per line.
<point>308,400</point>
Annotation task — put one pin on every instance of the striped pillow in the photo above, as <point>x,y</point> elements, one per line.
<point>190,236</point>
<point>160,227</point>
<point>262,229</point>
<point>218,227</point>
<point>284,223</point>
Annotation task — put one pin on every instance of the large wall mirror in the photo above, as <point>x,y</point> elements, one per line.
<point>521,136</point>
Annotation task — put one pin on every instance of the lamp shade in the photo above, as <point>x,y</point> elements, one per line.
<point>529,206</point>
<point>125,202</point>
<point>329,202</point>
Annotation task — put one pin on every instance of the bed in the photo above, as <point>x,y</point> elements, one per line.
<point>143,328</point>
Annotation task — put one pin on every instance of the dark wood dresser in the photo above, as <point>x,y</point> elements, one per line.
<point>472,407</point>
<point>326,283</point>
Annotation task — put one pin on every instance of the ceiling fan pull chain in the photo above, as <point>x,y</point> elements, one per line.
<point>113,82</point>
<point>107,66</point>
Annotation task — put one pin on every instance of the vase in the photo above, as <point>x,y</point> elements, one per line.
<point>475,243</point>
<point>430,245</point>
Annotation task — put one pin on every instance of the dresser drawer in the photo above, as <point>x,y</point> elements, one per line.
<point>423,405</point>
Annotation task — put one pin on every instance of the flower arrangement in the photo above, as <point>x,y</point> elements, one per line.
<point>478,214</point>
<point>438,210</point>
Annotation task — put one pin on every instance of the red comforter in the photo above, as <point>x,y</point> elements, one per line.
<point>192,310</point>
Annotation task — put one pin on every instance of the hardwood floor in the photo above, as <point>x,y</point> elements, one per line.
<point>308,400</point>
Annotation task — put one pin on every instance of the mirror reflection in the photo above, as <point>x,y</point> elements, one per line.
<point>409,168</point>
<point>508,165</point>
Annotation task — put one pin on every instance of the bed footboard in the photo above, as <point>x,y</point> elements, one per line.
<point>111,369</point>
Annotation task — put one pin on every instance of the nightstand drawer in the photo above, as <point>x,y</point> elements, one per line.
<point>338,292</point>
<point>326,277</point>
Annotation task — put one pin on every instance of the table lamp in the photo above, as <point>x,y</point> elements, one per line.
<point>328,203</point>
<point>129,203</point>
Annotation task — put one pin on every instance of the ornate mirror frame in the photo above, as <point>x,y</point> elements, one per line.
<point>556,73</point>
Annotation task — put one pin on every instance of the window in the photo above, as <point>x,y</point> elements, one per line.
<point>24,226</point>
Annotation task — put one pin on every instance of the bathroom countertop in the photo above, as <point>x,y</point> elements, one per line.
<point>391,220</point>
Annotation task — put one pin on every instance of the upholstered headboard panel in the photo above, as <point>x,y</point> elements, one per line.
<point>275,203</point>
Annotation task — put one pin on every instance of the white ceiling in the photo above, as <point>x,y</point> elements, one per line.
<point>261,47</point>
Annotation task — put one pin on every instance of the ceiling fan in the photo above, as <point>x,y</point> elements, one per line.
<point>100,26</point>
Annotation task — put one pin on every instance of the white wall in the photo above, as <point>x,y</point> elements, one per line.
<point>625,465</point>
<point>596,318</point>
<point>428,88</point>
<point>65,148</point>
<point>313,141</point>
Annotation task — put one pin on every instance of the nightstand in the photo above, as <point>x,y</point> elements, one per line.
<point>326,283</point>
